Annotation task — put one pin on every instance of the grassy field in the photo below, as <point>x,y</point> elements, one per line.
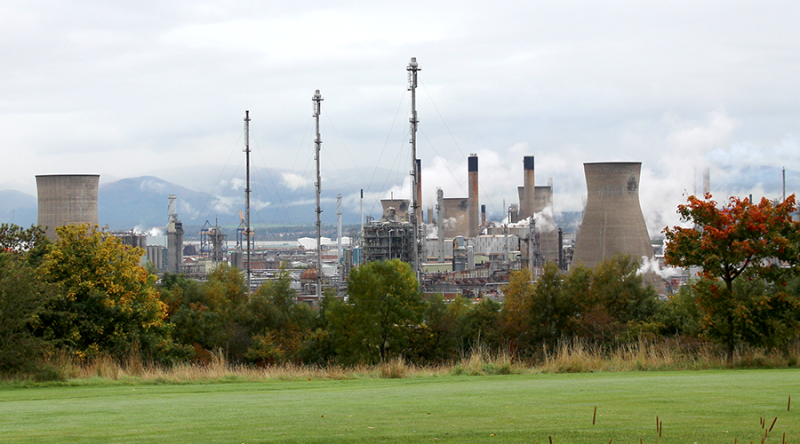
<point>702,406</point>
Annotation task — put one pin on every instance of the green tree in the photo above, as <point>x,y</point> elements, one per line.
<point>106,301</point>
<point>384,305</point>
<point>728,241</point>
<point>516,316</point>
<point>277,322</point>
<point>208,315</point>
<point>617,285</point>
<point>23,298</point>
<point>436,339</point>
<point>481,325</point>
<point>29,244</point>
<point>679,314</point>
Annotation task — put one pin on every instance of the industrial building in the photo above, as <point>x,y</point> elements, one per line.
<point>389,238</point>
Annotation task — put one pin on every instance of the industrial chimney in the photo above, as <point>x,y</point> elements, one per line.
<point>613,220</point>
<point>66,199</point>
<point>174,237</point>
<point>526,203</point>
<point>474,216</point>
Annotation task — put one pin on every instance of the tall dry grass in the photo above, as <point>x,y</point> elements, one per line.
<point>569,356</point>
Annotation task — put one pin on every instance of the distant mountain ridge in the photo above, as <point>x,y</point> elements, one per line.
<point>141,203</point>
<point>18,208</point>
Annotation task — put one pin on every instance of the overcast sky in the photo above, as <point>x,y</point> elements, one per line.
<point>125,89</point>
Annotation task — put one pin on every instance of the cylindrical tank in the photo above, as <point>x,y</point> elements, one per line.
<point>66,199</point>
<point>613,220</point>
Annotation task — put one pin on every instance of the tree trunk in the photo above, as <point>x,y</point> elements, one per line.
<point>731,342</point>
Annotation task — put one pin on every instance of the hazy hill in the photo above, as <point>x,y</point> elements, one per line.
<point>17,208</point>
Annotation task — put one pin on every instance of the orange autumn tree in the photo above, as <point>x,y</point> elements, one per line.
<point>739,239</point>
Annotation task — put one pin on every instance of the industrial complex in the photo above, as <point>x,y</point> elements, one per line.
<point>455,251</point>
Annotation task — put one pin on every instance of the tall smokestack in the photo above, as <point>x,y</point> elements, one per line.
<point>440,222</point>
<point>174,237</point>
<point>419,189</point>
<point>706,180</point>
<point>529,190</point>
<point>483,216</point>
<point>474,217</point>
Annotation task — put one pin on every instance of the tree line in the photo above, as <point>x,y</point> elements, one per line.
<point>86,294</point>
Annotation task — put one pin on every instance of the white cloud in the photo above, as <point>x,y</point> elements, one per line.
<point>125,89</point>
<point>295,181</point>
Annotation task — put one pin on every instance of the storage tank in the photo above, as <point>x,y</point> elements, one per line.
<point>66,199</point>
<point>613,220</point>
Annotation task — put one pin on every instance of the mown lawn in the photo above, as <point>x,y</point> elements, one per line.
<point>702,407</point>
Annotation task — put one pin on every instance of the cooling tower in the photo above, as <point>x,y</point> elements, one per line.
<point>400,207</point>
<point>613,220</point>
<point>455,217</point>
<point>66,199</point>
<point>474,216</point>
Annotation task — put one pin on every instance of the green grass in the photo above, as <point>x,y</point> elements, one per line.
<point>702,407</point>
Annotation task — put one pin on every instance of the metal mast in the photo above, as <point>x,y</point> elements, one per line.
<point>247,192</point>
<point>412,69</point>
<point>339,253</point>
<point>317,99</point>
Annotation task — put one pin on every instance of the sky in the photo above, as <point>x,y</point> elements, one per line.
<point>125,89</point>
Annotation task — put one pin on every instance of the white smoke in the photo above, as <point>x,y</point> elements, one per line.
<point>545,222</point>
<point>450,223</point>
<point>653,266</point>
<point>433,232</point>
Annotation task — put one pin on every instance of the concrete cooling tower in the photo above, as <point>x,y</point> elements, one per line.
<point>66,199</point>
<point>613,220</point>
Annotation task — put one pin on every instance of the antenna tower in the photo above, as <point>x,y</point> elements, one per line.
<point>247,193</point>
<point>413,68</point>
<point>317,99</point>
